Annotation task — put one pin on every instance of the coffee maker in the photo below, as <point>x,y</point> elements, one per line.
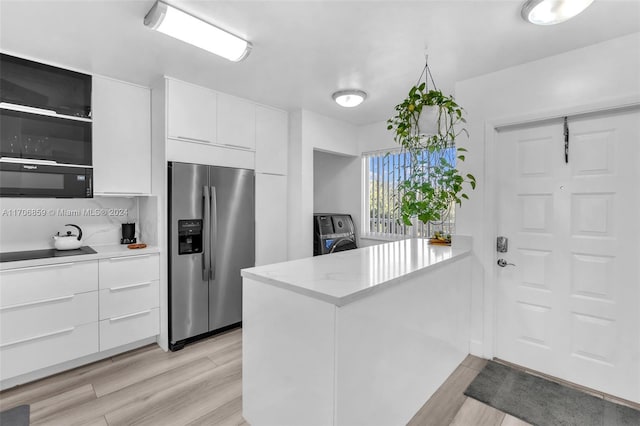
<point>128,233</point>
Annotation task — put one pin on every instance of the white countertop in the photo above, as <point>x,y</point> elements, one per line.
<point>343,277</point>
<point>102,252</point>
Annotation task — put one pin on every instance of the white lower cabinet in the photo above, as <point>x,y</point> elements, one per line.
<point>41,317</point>
<point>122,300</point>
<point>124,270</point>
<point>48,315</point>
<point>52,314</point>
<point>48,349</point>
<point>123,329</point>
<point>129,299</point>
<point>30,284</point>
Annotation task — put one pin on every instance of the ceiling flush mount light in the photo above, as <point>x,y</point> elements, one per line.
<point>349,98</point>
<point>183,26</point>
<point>549,12</point>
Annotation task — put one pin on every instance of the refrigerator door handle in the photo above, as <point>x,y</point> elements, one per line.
<point>206,216</point>
<point>213,233</point>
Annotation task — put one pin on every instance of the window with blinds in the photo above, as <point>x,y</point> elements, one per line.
<point>383,171</point>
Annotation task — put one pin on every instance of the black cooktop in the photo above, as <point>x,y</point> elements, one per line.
<point>12,256</point>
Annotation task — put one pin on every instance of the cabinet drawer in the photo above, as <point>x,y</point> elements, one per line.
<point>23,285</point>
<point>129,328</point>
<point>119,271</point>
<point>121,300</point>
<point>47,350</point>
<point>26,320</point>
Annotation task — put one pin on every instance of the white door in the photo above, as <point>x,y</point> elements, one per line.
<point>570,305</point>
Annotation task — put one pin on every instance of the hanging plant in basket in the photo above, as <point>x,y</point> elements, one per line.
<point>426,125</point>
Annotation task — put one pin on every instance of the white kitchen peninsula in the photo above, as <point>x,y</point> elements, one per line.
<point>360,337</point>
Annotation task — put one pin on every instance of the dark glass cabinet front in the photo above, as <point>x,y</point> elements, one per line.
<point>37,85</point>
<point>40,137</point>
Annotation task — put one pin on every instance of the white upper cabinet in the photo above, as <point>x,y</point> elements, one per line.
<point>236,122</point>
<point>191,112</point>
<point>227,130</point>
<point>272,134</point>
<point>121,137</point>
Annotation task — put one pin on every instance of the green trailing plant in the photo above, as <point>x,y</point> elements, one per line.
<point>432,185</point>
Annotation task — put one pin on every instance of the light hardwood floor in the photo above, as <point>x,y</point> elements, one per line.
<point>199,385</point>
<point>448,406</point>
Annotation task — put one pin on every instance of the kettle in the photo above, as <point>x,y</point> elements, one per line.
<point>69,241</point>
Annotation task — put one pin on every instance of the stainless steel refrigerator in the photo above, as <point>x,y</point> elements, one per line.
<point>211,237</point>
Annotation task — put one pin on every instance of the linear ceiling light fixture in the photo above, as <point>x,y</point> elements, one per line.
<point>349,98</point>
<point>550,12</point>
<point>178,24</point>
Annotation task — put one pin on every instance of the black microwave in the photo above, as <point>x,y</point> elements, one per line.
<point>38,180</point>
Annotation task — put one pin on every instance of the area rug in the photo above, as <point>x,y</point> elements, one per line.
<point>16,416</point>
<point>542,402</point>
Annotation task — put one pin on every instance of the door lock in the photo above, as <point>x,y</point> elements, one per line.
<point>503,263</point>
<point>502,244</point>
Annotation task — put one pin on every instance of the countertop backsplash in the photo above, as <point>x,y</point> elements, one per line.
<point>30,223</point>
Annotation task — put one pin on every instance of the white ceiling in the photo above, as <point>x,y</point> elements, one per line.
<point>303,51</point>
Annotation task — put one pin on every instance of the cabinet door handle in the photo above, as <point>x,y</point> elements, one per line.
<point>40,336</point>
<point>188,139</point>
<point>29,268</point>
<point>148,311</point>
<point>244,148</point>
<point>37,302</point>
<point>121,258</point>
<point>125,287</point>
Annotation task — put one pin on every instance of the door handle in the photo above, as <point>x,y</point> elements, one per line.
<point>206,216</point>
<point>214,233</point>
<point>503,263</point>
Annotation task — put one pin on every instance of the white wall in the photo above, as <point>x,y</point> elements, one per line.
<point>336,184</point>
<point>328,134</point>
<point>309,131</point>
<point>605,74</point>
<point>375,137</point>
<point>100,219</point>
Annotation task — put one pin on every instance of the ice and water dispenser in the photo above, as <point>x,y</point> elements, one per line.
<point>190,236</point>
